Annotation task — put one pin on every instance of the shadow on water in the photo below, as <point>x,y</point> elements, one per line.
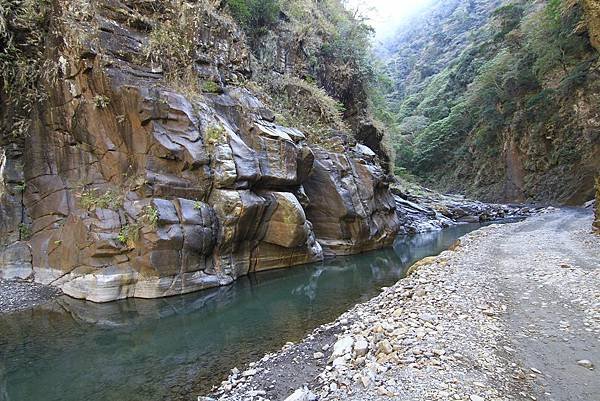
<point>176,348</point>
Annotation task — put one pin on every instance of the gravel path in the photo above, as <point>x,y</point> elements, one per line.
<point>512,313</point>
<point>19,295</point>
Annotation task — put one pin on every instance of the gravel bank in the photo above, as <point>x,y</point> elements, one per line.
<point>19,295</point>
<point>512,313</point>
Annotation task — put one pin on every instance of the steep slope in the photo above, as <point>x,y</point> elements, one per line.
<point>509,111</point>
<point>431,40</point>
<point>143,153</point>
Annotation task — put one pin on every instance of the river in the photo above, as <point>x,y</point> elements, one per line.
<point>176,348</point>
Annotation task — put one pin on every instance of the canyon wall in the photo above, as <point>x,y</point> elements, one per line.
<point>130,183</point>
<point>499,100</point>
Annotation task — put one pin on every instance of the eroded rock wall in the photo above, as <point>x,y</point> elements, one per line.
<point>129,186</point>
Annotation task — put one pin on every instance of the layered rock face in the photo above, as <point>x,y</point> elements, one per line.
<point>349,198</point>
<point>127,187</point>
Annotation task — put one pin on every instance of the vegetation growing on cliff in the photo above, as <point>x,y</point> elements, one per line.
<point>325,85</point>
<point>23,27</point>
<point>509,92</point>
<point>174,41</point>
<point>255,15</point>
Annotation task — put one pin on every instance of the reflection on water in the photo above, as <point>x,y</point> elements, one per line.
<point>175,348</point>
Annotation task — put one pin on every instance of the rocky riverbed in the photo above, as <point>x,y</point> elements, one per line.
<point>421,209</point>
<point>512,312</point>
<point>19,295</point>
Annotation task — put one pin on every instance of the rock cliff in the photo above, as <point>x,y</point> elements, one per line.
<point>134,182</point>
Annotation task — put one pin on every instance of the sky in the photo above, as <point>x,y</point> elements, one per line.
<point>385,15</point>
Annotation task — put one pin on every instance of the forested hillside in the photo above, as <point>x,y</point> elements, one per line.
<point>502,102</point>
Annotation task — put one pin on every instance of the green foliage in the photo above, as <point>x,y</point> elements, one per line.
<point>173,43</point>
<point>21,187</point>
<point>404,150</point>
<point>346,58</point>
<point>306,106</point>
<point>541,105</point>
<point>435,145</point>
<point>24,232</point>
<point>23,69</point>
<point>553,12</point>
<point>567,154</point>
<point>101,101</point>
<point>551,39</point>
<point>381,85</point>
<point>349,43</point>
<point>150,215</point>
<point>254,15</point>
<point>92,199</point>
<point>129,234</point>
<point>576,78</point>
<point>507,18</point>
<point>215,134</point>
<point>210,87</point>
<point>413,124</point>
<point>517,81</point>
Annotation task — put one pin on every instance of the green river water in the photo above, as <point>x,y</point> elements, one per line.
<point>177,348</point>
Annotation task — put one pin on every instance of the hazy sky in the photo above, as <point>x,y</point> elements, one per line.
<point>385,15</point>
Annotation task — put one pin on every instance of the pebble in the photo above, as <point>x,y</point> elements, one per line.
<point>361,346</point>
<point>585,363</point>
<point>342,346</point>
<point>302,394</point>
<point>385,347</point>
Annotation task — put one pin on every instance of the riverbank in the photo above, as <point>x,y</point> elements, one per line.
<point>424,212</point>
<point>16,295</point>
<point>512,313</point>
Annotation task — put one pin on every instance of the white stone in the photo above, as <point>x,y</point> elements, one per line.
<point>361,346</point>
<point>342,346</point>
<point>302,394</point>
<point>585,363</point>
<point>385,347</point>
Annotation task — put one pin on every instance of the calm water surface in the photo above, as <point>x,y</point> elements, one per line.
<point>176,348</point>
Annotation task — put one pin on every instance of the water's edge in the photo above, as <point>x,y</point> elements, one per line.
<point>171,348</point>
